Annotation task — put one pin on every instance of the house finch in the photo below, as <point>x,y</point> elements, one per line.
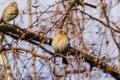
<point>61,43</point>
<point>10,12</point>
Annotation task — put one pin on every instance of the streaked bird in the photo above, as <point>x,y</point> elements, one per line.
<point>61,43</point>
<point>10,12</point>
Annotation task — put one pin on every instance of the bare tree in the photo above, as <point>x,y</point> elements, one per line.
<point>92,27</point>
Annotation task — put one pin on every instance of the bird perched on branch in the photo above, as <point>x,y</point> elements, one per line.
<point>10,12</point>
<point>61,43</point>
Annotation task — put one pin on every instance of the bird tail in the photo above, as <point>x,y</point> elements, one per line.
<point>1,21</point>
<point>64,61</point>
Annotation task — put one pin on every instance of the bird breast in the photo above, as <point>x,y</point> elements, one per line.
<point>60,44</point>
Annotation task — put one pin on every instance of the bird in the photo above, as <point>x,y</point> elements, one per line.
<point>10,12</point>
<point>61,43</point>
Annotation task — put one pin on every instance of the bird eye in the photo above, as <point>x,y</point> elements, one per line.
<point>63,33</point>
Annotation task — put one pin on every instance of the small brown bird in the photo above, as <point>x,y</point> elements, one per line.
<point>10,12</point>
<point>61,43</point>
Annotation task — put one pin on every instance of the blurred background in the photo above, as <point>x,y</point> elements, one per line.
<point>92,30</point>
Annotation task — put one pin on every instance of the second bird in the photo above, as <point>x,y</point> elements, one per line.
<point>10,12</point>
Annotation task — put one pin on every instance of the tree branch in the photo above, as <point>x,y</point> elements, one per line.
<point>17,33</point>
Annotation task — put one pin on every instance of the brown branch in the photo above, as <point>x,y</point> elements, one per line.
<point>100,21</point>
<point>104,5</point>
<point>18,33</point>
<point>26,50</point>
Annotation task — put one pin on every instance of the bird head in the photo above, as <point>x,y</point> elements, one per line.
<point>14,4</point>
<point>60,32</point>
